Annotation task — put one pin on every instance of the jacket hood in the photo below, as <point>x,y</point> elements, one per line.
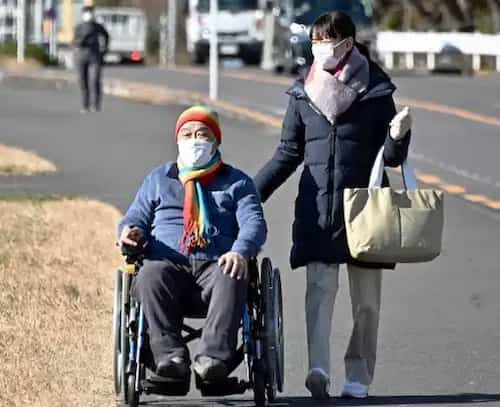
<point>379,85</point>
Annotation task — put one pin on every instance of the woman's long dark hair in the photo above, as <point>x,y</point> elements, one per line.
<point>337,25</point>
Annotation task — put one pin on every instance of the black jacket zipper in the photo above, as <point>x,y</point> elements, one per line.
<point>331,158</point>
<point>331,176</point>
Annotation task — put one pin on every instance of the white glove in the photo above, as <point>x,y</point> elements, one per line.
<point>401,124</point>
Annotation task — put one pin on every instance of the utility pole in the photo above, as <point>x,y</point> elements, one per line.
<point>172,33</point>
<point>163,40</point>
<point>52,14</point>
<point>267,52</point>
<point>38,22</point>
<point>214,51</point>
<point>21,30</point>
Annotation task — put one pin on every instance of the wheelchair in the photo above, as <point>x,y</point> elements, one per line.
<point>261,349</point>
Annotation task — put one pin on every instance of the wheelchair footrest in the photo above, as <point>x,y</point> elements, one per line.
<point>165,386</point>
<point>227,387</point>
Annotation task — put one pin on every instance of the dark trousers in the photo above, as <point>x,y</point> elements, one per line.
<point>169,291</point>
<point>89,74</point>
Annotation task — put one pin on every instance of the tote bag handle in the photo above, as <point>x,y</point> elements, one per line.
<point>376,176</point>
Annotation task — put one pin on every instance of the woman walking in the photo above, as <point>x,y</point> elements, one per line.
<point>338,118</point>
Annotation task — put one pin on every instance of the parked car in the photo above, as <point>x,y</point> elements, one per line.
<point>292,45</point>
<point>451,60</point>
<point>127,28</point>
<point>240,29</point>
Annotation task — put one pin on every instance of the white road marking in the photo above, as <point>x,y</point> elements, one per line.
<point>473,176</point>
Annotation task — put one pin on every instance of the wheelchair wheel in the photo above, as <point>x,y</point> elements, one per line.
<point>124,347</point>
<point>117,333</point>
<point>132,394</point>
<point>274,345</point>
<point>259,386</point>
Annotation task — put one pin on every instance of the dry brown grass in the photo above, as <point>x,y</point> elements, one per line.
<point>11,64</point>
<point>57,261</point>
<point>15,161</point>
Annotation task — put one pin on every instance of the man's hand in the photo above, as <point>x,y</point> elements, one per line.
<point>235,265</point>
<point>401,124</point>
<point>131,236</point>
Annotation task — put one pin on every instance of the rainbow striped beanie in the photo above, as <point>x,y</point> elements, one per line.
<point>200,114</point>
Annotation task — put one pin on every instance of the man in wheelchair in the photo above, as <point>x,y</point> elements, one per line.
<point>202,220</point>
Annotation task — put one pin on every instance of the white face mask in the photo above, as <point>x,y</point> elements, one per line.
<point>328,56</point>
<point>195,153</point>
<point>87,16</point>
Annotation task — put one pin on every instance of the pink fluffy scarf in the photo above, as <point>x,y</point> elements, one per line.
<point>332,93</point>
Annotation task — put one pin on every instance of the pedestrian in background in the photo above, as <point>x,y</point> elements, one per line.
<point>91,41</point>
<point>338,118</point>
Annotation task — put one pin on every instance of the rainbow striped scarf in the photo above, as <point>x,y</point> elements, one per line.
<point>197,227</point>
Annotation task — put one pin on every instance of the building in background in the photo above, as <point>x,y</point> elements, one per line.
<point>8,12</point>
<point>44,19</point>
<point>68,15</point>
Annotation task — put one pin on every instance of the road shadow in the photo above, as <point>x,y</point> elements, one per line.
<point>459,399</point>
<point>466,398</point>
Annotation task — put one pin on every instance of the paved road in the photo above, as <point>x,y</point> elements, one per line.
<point>472,93</point>
<point>457,150</point>
<point>440,332</point>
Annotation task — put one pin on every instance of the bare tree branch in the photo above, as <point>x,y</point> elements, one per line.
<point>494,6</point>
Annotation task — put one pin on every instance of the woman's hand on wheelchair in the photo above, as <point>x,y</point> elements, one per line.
<point>132,236</point>
<point>235,265</point>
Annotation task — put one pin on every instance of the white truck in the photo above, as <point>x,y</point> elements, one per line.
<point>127,28</point>
<point>240,30</point>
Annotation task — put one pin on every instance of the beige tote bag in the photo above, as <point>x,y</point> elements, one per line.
<point>384,225</point>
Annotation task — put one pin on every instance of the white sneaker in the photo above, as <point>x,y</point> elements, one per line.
<point>355,390</point>
<point>318,383</point>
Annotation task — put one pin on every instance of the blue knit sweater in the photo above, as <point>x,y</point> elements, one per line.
<point>234,209</point>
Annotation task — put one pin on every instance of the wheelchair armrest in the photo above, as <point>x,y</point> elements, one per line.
<point>134,254</point>
<point>129,250</point>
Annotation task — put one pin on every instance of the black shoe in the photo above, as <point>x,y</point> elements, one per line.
<point>173,367</point>
<point>210,369</point>
<point>318,383</point>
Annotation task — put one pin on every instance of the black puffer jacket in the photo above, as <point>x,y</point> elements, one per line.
<point>335,157</point>
<point>91,38</point>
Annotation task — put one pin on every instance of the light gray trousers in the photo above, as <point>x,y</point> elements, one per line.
<point>365,290</point>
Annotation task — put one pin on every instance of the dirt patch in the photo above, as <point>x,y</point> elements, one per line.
<point>57,263</point>
<point>15,161</point>
<point>12,65</point>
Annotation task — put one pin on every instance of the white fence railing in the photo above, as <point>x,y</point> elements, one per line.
<point>430,44</point>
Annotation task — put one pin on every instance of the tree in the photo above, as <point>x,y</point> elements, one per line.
<point>108,3</point>
<point>494,6</point>
<point>429,12</point>
<point>462,15</point>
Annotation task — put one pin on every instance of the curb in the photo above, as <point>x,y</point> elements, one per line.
<point>163,95</point>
